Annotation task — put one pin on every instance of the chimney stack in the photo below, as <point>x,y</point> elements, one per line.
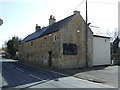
<point>51,20</point>
<point>37,28</point>
<point>77,12</point>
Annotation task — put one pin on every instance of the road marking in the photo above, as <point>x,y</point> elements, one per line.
<point>54,72</point>
<point>63,75</point>
<point>36,77</point>
<point>46,70</point>
<point>19,69</point>
<point>11,65</point>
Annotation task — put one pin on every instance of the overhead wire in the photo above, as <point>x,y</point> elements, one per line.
<point>94,2</point>
<point>103,2</point>
<point>78,6</point>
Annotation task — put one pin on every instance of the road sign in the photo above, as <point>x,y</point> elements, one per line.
<point>1,21</point>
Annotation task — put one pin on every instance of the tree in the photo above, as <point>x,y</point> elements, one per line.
<point>12,46</point>
<point>115,40</point>
<point>113,34</point>
<point>116,45</point>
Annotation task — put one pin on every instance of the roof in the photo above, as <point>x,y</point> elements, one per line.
<point>34,35</point>
<point>101,36</point>
<point>56,26</point>
<point>47,30</point>
<point>98,33</point>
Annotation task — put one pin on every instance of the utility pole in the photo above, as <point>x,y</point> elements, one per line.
<point>86,27</point>
<point>119,19</point>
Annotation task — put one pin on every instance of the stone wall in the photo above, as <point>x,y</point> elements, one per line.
<point>74,33</point>
<point>37,51</point>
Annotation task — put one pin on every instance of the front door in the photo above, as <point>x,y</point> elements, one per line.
<point>50,58</point>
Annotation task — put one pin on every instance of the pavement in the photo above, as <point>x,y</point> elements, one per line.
<point>107,75</point>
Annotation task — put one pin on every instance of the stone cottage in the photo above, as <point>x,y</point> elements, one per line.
<point>60,45</point>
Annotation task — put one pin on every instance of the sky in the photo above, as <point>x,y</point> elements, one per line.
<point>21,16</point>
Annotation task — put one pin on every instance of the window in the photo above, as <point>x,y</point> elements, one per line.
<point>22,45</point>
<point>20,56</point>
<point>105,40</point>
<point>54,38</point>
<point>45,40</point>
<point>50,35</point>
<point>69,49</point>
<point>78,30</point>
<point>31,43</point>
<point>27,56</point>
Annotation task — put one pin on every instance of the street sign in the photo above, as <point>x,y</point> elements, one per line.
<point>1,21</point>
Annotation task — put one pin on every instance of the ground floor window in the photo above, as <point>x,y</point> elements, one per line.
<point>69,49</point>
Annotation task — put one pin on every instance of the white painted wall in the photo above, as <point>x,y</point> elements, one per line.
<point>101,51</point>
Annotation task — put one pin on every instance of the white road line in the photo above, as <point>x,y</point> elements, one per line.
<point>46,70</point>
<point>54,72</point>
<point>36,77</point>
<point>19,69</point>
<point>11,65</point>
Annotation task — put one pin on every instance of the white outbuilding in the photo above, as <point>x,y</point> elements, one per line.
<point>101,48</point>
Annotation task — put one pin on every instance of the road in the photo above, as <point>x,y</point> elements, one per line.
<point>17,75</point>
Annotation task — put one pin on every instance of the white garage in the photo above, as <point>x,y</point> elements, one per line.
<point>101,47</point>
<point>101,50</point>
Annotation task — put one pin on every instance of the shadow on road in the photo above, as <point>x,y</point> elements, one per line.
<point>13,78</point>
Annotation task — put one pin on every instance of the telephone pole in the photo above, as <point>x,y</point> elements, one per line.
<point>119,19</point>
<point>86,27</point>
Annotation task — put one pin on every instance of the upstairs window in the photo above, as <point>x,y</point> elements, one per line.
<point>45,40</point>
<point>105,40</point>
<point>69,49</point>
<point>22,45</point>
<point>54,38</point>
<point>31,43</point>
